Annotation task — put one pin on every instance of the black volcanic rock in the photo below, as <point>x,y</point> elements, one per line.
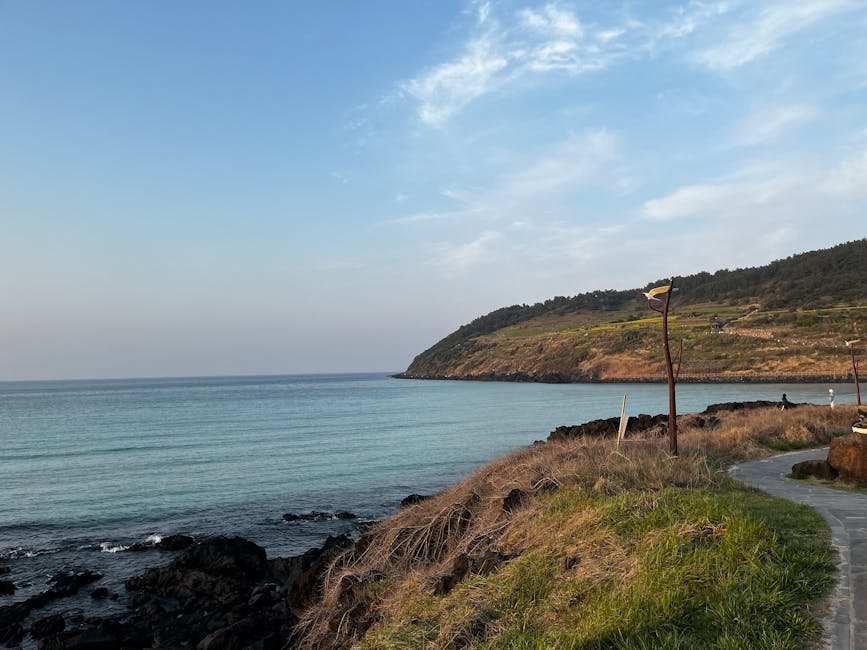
<point>412,499</point>
<point>743,406</point>
<point>343,514</point>
<point>301,574</point>
<point>220,593</point>
<point>47,626</point>
<point>821,469</point>
<point>7,587</point>
<point>607,428</point>
<point>99,593</point>
<point>514,500</point>
<point>318,516</point>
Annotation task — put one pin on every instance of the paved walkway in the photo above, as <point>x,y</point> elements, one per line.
<point>846,514</point>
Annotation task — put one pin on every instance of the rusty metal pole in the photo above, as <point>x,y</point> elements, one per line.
<point>855,370</point>
<point>672,407</point>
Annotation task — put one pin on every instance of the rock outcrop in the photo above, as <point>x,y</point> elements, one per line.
<point>820,469</point>
<point>219,594</point>
<point>848,455</point>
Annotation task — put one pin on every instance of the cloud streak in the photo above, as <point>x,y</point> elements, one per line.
<point>770,123</point>
<point>501,53</point>
<point>762,29</point>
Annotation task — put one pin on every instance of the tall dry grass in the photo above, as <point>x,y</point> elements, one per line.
<point>742,435</point>
<point>423,544</point>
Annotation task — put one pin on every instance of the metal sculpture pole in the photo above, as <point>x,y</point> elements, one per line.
<point>672,404</point>
<point>851,346</point>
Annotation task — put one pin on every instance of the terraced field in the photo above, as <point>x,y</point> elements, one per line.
<point>720,343</point>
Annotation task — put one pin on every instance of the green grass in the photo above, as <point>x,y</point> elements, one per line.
<point>858,488</point>
<point>675,568</point>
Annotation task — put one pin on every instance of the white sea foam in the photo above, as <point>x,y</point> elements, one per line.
<point>153,539</point>
<point>21,552</point>
<point>106,547</point>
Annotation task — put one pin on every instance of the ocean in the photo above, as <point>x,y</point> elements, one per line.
<point>89,468</point>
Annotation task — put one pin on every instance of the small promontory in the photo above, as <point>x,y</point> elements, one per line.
<point>786,321</point>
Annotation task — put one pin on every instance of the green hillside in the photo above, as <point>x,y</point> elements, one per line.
<point>785,320</point>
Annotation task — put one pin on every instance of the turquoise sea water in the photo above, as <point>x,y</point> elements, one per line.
<point>89,467</point>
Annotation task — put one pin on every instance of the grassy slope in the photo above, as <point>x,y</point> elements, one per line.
<point>786,320</point>
<point>677,568</point>
<point>752,343</point>
<point>628,549</point>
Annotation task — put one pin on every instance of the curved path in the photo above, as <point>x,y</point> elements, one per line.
<point>846,514</point>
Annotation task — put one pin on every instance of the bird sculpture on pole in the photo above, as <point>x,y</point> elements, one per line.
<point>851,346</point>
<point>651,295</point>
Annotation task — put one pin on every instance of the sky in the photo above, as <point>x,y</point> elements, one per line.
<point>219,188</point>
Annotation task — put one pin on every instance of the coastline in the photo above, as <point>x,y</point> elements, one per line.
<point>559,378</point>
<point>248,595</point>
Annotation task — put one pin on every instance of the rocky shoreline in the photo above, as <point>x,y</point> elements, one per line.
<point>224,592</point>
<point>562,378</point>
<point>215,594</point>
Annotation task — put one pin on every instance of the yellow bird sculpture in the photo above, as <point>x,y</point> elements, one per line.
<point>651,295</point>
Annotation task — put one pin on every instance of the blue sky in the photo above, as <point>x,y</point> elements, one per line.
<point>207,188</point>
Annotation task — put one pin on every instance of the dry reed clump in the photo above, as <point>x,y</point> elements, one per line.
<point>429,547</point>
<point>741,435</point>
<point>435,543</point>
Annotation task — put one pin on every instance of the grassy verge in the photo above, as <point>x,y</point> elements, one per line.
<point>596,548</point>
<point>724,568</point>
<point>858,488</point>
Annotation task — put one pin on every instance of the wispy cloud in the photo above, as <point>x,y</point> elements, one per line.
<point>716,199</point>
<point>848,180</point>
<point>447,88</point>
<point>538,183</point>
<point>770,123</point>
<point>453,259</point>
<point>533,41</point>
<point>500,52</point>
<point>420,217</point>
<point>578,160</point>
<point>763,29</point>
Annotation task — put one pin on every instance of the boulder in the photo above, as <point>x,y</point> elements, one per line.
<point>88,639</point>
<point>818,468</point>
<point>99,593</point>
<point>607,428</point>
<point>743,406</point>
<point>301,574</point>
<point>514,500</point>
<point>459,568</point>
<point>47,626</point>
<point>167,543</point>
<point>175,542</point>
<point>488,560</point>
<point>412,499</point>
<point>848,455</point>
<point>7,587</point>
<point>224,593</point>
<point>318,516</point>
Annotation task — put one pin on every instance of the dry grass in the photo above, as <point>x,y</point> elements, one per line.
<point>412,554</point>
<point>742,435</point>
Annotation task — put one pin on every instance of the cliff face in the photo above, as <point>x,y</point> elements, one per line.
<point>784,321</point>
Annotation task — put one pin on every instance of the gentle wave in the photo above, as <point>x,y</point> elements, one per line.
<point>106,547</point>
<point>22,552</point>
